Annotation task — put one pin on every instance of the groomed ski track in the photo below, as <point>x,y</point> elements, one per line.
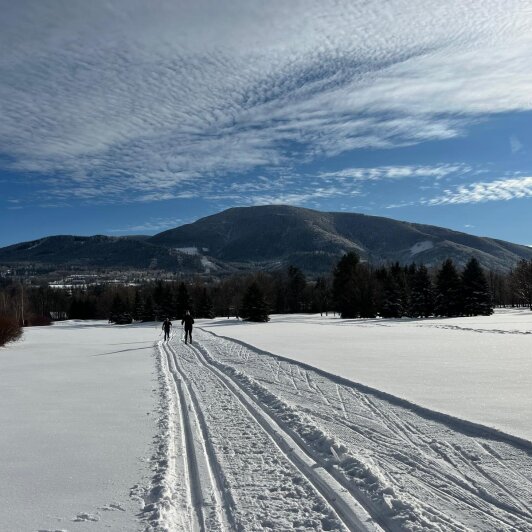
<point>209,502</point>
<point>256,442</point>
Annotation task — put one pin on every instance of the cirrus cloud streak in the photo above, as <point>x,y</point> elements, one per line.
<point>498,190</point>
<point>121,101</point>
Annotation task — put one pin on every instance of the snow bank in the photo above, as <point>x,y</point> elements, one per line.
<point>478,369</point>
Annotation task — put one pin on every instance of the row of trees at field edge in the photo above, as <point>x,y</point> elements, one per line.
<point>397,291</point>
<point>354,289</point>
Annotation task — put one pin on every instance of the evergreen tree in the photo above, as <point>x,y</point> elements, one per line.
<point>159,296</point>
<point>183,301</point>
<point>392,303</point>
<point>280,305</point>
<point>82,309</point>
<point>163,301</point>
<point>254,307</point>
<point>346,289</point>
<point>521,282</point>
<point>149,313</point>
<point>448,291</point>
<point>118,307</point>
<point>421,293</point>
<point>295,289</point>
<point>204,307</point>
<point>138,306</point>
<point>475,291</point>
<point>367,292</point>
<point>321,296</point>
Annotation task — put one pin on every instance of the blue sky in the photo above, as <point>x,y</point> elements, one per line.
<point>132,117</point>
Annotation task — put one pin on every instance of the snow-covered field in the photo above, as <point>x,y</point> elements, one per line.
<point>476,368</point>
<point>76,434</point>
<point>239,439</point>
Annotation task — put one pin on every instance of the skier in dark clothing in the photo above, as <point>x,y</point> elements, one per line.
<point>188,321</point>
<point>167,325</point>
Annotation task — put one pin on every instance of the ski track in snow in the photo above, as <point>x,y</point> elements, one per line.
<point>252,441</point>
<point>476,330</point>
<point>237,473</point>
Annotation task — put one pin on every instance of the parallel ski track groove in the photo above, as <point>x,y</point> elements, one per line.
<point>195,479</point>
<point>259,414</point>
<point>174,454</point>
<point>192,479</point>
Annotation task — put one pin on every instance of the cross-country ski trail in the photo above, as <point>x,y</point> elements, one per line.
<point>251,441</point>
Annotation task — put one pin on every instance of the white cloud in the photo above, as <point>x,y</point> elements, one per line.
<point>380,173</point>
<point>515,144</point>
<point>502,189</point>
<point>122,101</point>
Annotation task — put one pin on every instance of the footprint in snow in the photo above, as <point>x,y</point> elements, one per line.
<point>113,507</point>
<point>84,517</point>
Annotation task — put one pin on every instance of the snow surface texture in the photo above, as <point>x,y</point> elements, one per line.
<point>76,411</point>
<point>272,444</point>
<point>242,439</point>
<point>479,369</point>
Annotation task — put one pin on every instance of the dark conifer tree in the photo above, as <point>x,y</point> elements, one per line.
<point>159,297</point>
<point>367,292</point>
<point>321,296</point>
<point>118,307</point>
<point>295,289</point>
<point>346,289</point>
<point>254,307</point>
<point>183,301</point>
<point>149,313</point>
<point>391,293</point>
<point>475,291</point>
<point>138,306</point>
<point>448,291</point>
<point>521,283</point>
<point>168,305</point>
<point>400,274</point>
<point>204,307</point>
<point>75,311</point>
<point>163,303</point>
<point>421,293</point>
<point>280,305</point>
<point>82,308</point>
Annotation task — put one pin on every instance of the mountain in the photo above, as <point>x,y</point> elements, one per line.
<point>277,234</point>
<point>97,252</point>
<point>268,238</point>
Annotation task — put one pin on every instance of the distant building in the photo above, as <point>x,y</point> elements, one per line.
<point>58,316</point>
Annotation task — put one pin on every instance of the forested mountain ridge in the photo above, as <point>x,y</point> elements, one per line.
<point>268,238</point>
<point>309,239</point>
<point>97,252</point>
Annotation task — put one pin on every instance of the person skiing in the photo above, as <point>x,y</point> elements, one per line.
<point>167,325</point>
<point>188,321</point>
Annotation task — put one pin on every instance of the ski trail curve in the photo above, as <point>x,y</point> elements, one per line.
<point>412,469</point>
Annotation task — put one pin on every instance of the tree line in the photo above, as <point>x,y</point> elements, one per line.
<point>353,289</point>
